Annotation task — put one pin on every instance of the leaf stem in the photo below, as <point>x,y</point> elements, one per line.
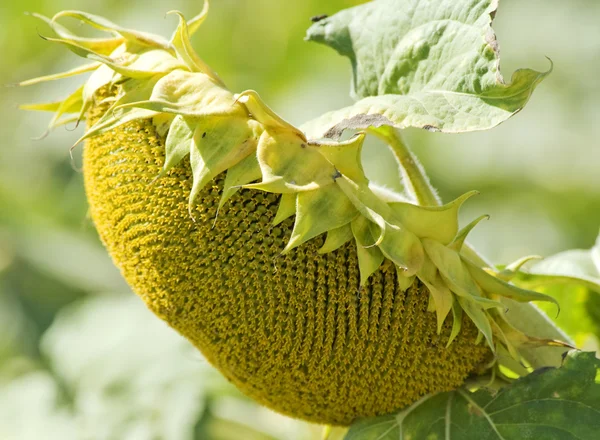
<point>402,415</point>
<point>413,172</point>
<point>481,411</point>
<point>448,417</point>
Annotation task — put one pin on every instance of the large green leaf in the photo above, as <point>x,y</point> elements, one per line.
<point>431,64</point>
<point>550,404</point>
<point>577,266</point>
<point>573,279</point>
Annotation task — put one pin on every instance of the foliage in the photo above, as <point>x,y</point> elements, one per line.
<point>573,279</point>
<point>422,63</point>
<point>512,166</point>
<point>553,404</point>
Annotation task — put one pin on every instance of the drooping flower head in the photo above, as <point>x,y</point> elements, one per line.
<point>291,323</point>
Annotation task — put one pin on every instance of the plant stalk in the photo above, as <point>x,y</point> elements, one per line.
<point>413,173</point>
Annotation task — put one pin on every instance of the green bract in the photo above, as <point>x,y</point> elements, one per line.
<point>322,182</point>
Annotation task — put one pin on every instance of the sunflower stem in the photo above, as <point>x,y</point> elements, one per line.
<point>413,173</point>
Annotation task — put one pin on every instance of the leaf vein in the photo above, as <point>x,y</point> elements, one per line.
<point>543,400</point>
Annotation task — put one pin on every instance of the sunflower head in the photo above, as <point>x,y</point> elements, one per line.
<point>193,189</point>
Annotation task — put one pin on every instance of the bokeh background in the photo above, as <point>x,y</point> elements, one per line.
<point>81,357</point>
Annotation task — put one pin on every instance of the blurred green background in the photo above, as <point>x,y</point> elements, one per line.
<point>81,357</point>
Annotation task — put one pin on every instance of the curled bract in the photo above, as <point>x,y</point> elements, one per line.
<point>321,182</point>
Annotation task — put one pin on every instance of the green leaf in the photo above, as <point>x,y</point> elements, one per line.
<point>550,404</point>
<point>577,266</point>
<point>578,311</point>
<point>572,278</point>
<point>429,64</point>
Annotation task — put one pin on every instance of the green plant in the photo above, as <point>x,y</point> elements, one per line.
<point>412,308</point>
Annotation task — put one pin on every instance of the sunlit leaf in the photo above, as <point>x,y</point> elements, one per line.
<point>430,64</point>
<point>551,404</point>
<point>573,280</point>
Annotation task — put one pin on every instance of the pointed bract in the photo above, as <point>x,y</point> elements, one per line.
<point>404,281</point>
<point>320,211</point>
<point>512,269</point>
<point>280,155</point>
<point>183,46</point>
<point>62,75</point>
<point>336,238</point>
<point>457,314</point>
<point>480,318</point>
<point>217,145</point>
<point>460,238</point>
<point>346,157</point>
<point>370,257</point>
<point>402,247</point>
<point>103,46</point>
<point>101,23</point>
<point>442,296</point>
<point>267,117</point>
<point>242,173</point>
<point>179,142</point>
<point>436,222</point>
<point>287,208</point>
<point>499,287</point>
<point>452,269</point>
